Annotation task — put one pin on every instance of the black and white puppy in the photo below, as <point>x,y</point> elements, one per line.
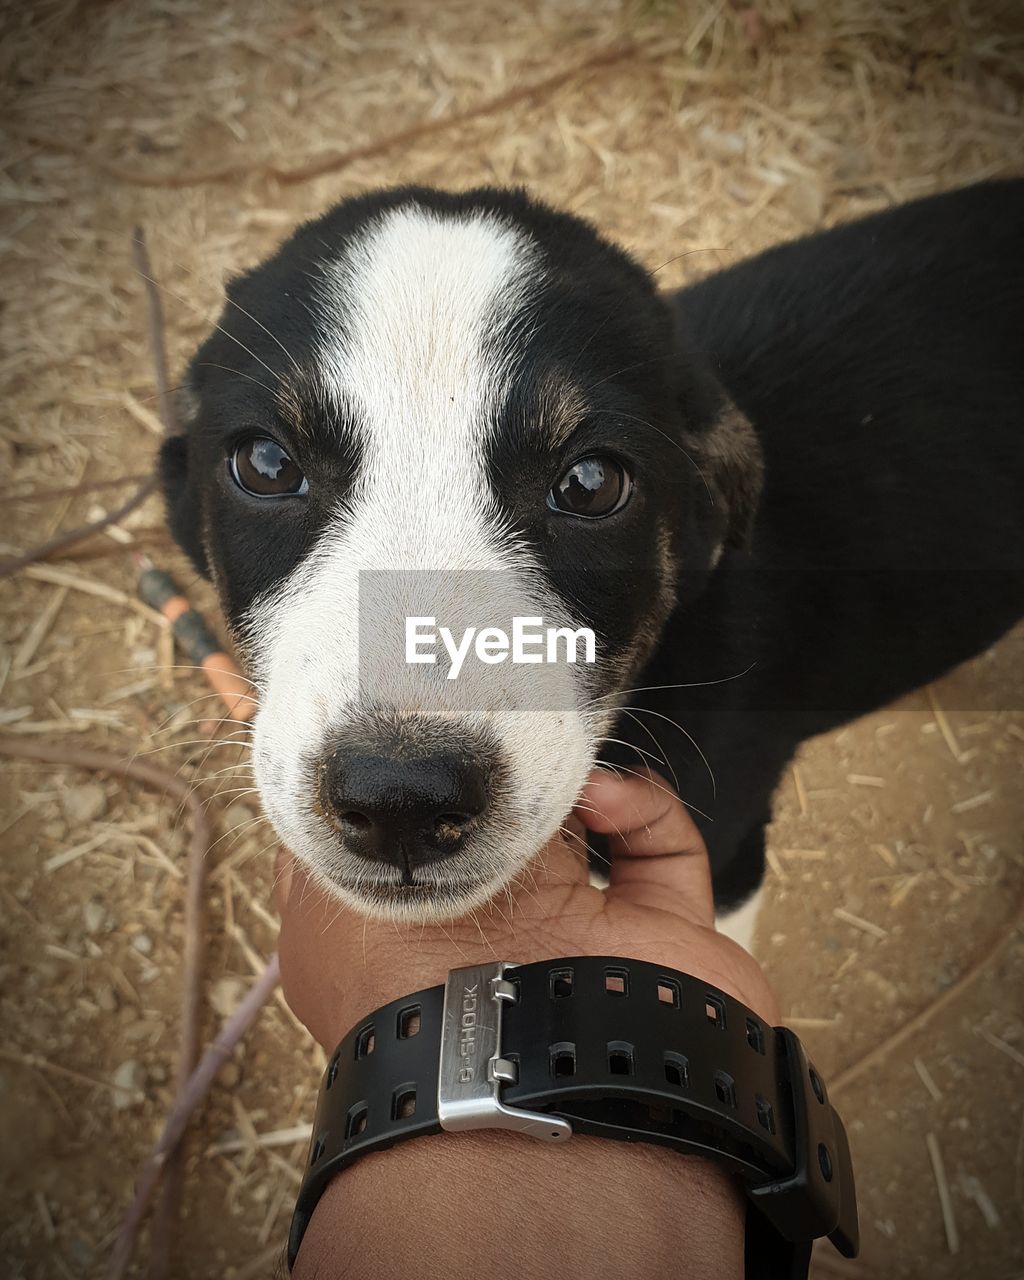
<point>779,499</point>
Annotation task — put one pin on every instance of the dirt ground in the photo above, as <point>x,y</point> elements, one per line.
<point>896,849</point>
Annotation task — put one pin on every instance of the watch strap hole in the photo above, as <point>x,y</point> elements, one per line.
<point>403,1103</point>
<point>563,1059</point>
<point>677,1070</point>
<point>410,1019</point>
<point>616,982</point>
<point>714,1009</point>
<point>560,983</point>
<point>366,1041</point>
<point>355,1123</point>
<point>668,992</point>
<point>725,1089</point>
<point>620,1058</point>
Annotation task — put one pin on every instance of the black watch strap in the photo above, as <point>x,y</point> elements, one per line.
<point>596,1045</point>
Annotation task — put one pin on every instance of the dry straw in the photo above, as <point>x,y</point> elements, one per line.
<point>693,132</point>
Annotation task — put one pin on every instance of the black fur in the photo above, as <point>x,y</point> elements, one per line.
<point>882,365</point>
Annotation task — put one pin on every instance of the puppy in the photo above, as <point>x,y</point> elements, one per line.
<point>777,499</point>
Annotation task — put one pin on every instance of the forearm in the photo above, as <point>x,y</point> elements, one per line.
<point>468,1205</point>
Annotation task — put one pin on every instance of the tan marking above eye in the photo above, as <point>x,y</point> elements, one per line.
<point>561,409</point>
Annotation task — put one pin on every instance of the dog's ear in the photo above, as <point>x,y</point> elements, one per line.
<point>717,434</point>
<point>729,455</point>
<point>181,493</point>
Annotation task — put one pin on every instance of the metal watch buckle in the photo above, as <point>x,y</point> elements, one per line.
<point>473,1067</point>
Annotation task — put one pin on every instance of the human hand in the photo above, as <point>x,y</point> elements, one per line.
<point>336,966</point>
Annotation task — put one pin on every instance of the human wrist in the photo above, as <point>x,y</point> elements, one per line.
<point>385,963</point>
<point>486,1199</point>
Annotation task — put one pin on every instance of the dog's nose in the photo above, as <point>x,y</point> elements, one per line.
<point>400,809</point>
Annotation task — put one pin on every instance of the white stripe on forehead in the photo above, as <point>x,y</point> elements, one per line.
<point>421,314</point>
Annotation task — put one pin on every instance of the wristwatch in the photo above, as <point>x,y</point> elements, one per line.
<point>604,1046</point>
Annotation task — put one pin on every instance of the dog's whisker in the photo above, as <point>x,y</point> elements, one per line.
<point>649,755</point>
<point>236,831</point>
<point>629,711</point>
<point>215,744</point>
<point>676,257</point>
<point>208,364</point>
<point>219,327</point>
<point>248,314</point>
<point>628,368</point>
<point>646,777</point>
<point>675,443</point>
<point>659,688</point>
<point>224,793</point>
<point>692,741</point>
<point>598,814</point>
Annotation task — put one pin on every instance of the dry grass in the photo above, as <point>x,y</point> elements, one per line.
<point>692,132</point>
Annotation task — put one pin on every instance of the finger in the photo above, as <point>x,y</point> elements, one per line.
<point>639,812</point>
<point>658,856</point>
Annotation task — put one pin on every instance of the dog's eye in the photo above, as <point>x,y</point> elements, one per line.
<point>261,467</point>
<point>592,487</point>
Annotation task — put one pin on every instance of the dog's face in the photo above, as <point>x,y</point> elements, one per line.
<point>467,407</point>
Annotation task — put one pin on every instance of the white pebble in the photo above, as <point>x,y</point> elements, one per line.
<point>127,1079</point>
<point>84,804</point>
<point>95,915</point>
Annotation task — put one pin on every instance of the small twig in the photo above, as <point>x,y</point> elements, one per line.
<point>997,1042</point>
<point>52,546</point>
<point>801,791</point>
<point>157,345</point>
<point>911,1028</point>
<point>332,161</point>
<point>259,1266</point>
<point>945,728</point>
<point>147,536</point>
<point>927,1080</point>
<point>256,963</point>
<point>1018,1165</point>
<point>196,1088</point>
<point>61,577</point>
<point>45,1217</point>
<point>38,631</point>
<point>858,922</point>
<point>271,1138</point>
<point>972,1187</point>
<point>37,1063</point>
<point>190,799</point>
<point>973,802</point>
<point>69,490</point>
<point>61,541</point>
<point>942,1187</point>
